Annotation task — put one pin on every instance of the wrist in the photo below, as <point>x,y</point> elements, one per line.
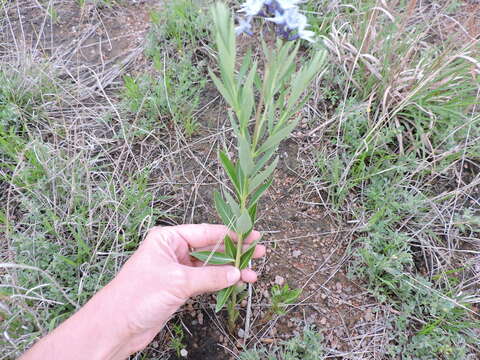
<point>96,331</point>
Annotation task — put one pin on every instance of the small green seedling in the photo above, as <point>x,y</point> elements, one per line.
<point>282,297</point>
<point>176,343</point>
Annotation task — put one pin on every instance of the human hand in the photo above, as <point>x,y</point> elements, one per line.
<point>161,275</point>
<point>124,316</point>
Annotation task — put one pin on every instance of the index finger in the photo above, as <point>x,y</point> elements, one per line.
<point>200,235</point>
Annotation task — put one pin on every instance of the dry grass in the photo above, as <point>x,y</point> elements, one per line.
<point>397,115</point>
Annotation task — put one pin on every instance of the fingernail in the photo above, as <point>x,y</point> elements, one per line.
<point>233,276</point>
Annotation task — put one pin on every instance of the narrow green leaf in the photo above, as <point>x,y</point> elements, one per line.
<point>252,211</point>
<point>259,192</point>
<point>278,136</point>
<point>212,258</point>
<point>247,99</point>
<point>223,210</point>
<point>222,297</point>
<point>241,175</point>
<point>244,222</point>
<point>263,160</point>
<point>245,155</point>
<point>234,123</point>
<point>229,169</point>
<point>230,248</point>
<point>292,296</point>
<point>233,204</point>
<point>246,62</point>
<point>222,89</point>
<point>303,78</point>
<point>247,256</point>
<point>260,178</point>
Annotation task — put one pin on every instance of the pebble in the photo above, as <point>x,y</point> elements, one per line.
<point>241,333</point>
<point>279,280</point>
<point>200,318</point>
<point>323,321</point>
<point>183,353</point>
<point>296,253</point>
<point>368,316</point>
<point>323,296</point>
<point>338,286</point>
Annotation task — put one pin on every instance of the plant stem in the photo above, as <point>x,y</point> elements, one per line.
<point>232,313</point>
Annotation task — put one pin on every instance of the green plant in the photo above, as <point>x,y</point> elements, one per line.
<point>281,297</point>
<point>279,92</point>
<point>172,90</point>
<point>307,346</point>
<point>183,24</point>
<point>176,341</point>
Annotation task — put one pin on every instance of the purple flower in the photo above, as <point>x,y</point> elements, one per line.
<point>291,24</point>
<point>244,26</point>
<point>252,7</point>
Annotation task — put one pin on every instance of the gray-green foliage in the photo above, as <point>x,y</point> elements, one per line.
<point>405,122</point>
<point>67,217</point>
<point>178,336</point>
<point>307,346</point>
<point>172,90</point>
<point>281,297</point>
<point>279,93</point>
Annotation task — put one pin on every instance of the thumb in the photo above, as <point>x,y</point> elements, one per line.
<point>211,278</point>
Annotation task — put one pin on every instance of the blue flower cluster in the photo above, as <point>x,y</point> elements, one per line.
<point>291,24</point>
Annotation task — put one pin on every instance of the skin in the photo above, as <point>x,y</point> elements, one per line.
<point>125,316</point>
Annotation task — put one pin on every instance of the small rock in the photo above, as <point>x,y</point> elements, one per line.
<point>279,280</point>
<point>323,321</point>
<point>323,296</point>
<point>241,333</point>
<point>200,318</point>
<point>368,316</point>
<point>183,353</point>
<point>244,303</point>
<point>296,253</point>
<point>338,286</point>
